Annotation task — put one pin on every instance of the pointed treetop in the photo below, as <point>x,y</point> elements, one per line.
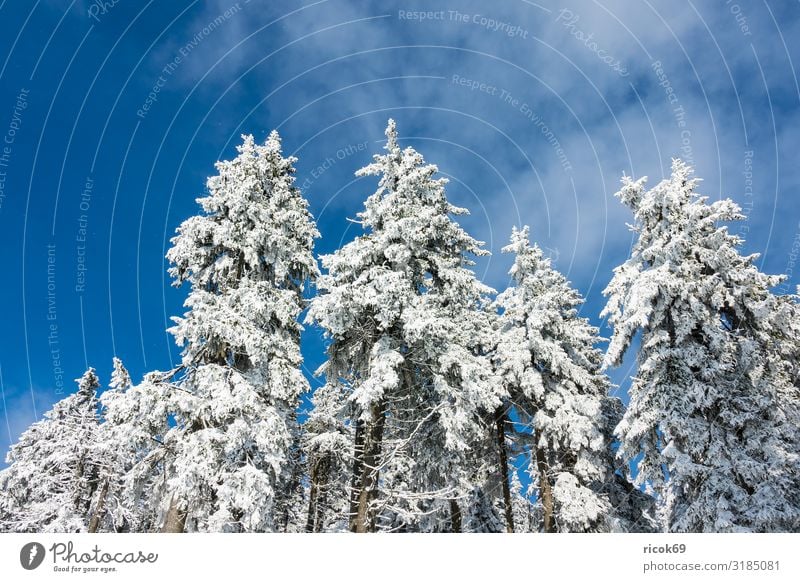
<point>520,240</point>
<point>272,145</point>
<point>88,383</point>
<point>683,171</point>
<point>529,257</point>
<point>633,193</point>
<point>120,378</point>
<point>273,142</point>
<point>248,144</point>
<point>391,136</point>
<point>254,224</point>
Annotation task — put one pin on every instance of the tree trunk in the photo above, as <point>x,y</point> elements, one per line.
<point>358,464</point>
<point>175,522</point>
<point>455,516</point>
<point>287,487</point>
<point>318,478</point>
<point>100,508</point>
<point>545,490</point>
<point>500,424</point>
<point>311,521</point>
<point>368,490</point>
<point>77,498</point>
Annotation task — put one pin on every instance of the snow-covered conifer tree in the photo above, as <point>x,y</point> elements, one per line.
<point>405,318</point>
<point>523,510</point>
<point>713,418</point>
<point>53,468</point>
<point>131,457</point>
<point>136,419</point>
<point>328,449</point>
<point>247,258</point>
<point>114,461</point>
<point>290,497</point>
<point>548,359</point>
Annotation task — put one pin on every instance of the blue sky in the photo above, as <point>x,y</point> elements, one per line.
<point>112,115</point>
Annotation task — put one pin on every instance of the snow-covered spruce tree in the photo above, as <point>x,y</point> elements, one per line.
<point>290,498</point>
<point>548,359</point>
<point>406,321</point>
<point>713,418</point>
<point>787,317</point>
<point>524,512</point>
<point>328,450</point>
<point>131,456</point>
<point>141,418</point>
<point>53,470</point>
<point>247,258</point>
<point>633,509</point>
<point>114,462</point>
